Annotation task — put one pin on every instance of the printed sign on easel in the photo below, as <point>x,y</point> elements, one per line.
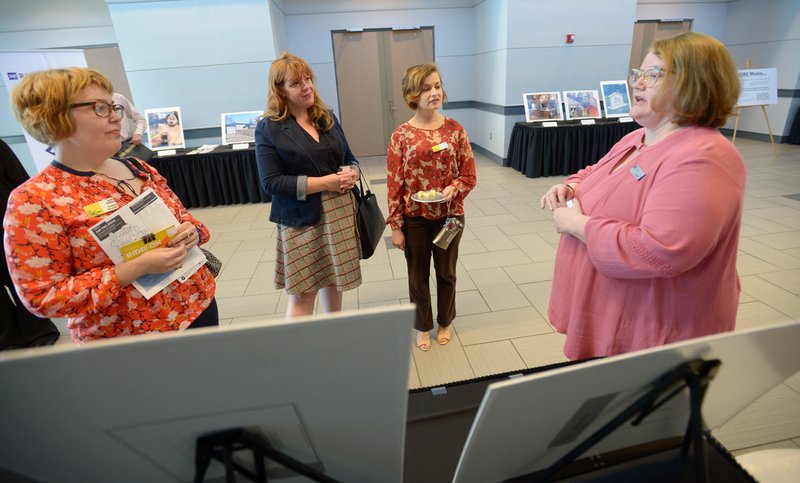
<point>758,87</point>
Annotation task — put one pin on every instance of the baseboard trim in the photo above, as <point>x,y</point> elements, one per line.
<point>754,135</point>
<point>493,157</point>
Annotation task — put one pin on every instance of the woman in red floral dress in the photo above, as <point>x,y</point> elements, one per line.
<point>58,269</point>
<point>429,152</point>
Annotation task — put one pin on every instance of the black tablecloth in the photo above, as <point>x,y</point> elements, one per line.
<point>221,177</point>
<point>552,151</point>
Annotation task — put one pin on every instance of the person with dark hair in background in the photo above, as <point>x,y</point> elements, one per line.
<point>18,327</point>
<point>650,234</point>
<point>305,163</point>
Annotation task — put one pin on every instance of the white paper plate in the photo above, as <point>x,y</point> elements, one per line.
<point>438,199</point>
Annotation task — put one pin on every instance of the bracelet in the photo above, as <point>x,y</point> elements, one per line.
<point>570,187</point>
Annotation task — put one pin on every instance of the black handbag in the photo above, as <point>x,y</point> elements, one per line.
<point>370,222</point>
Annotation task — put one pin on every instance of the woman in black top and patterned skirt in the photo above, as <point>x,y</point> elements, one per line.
<point>300,149</point>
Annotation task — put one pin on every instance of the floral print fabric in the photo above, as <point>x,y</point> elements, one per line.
<point>60,271</point>
<point>426,159</point>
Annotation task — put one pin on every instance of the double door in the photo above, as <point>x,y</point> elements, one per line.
<point>369,68</point>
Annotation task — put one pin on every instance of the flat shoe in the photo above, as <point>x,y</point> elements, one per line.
<point>443,335</point>
<point>423,341</point>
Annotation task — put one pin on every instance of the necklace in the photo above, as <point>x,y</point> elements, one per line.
<point>122,184</point>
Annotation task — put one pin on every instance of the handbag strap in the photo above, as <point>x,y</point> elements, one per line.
<point>361,181</point>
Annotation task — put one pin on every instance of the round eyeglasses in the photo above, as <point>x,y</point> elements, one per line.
<point>101,108</point>
<point>650,75</point>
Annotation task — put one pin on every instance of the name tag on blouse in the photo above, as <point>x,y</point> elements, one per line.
<point>440,146</point>
<point>637,172</point>
<point>101,207</point>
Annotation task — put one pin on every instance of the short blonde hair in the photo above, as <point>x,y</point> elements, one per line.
<point>702,80</point>
<point>41,101</point>
<point>286,67</point>
<point>414,78</point>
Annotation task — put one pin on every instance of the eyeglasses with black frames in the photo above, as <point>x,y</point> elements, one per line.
<point>650,75</point>
<point>101,108</point>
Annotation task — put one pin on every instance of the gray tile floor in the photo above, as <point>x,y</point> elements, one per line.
<point>505,271</point>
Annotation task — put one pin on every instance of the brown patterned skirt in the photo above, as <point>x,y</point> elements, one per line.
<point>310,258</point>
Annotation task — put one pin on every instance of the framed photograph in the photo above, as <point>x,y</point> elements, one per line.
<point>616,99</point>
<point>582,104</point>
<point>542,106</point>
<point>164,128</point>
<point>239,127</point>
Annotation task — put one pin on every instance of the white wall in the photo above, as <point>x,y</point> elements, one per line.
<point>45,24</point>
<point>309,37</point>
<point>539,59</point>
<point>211,56</point>
<point>490,67</point>
<point>205,56</point>
<point>707,18</point>
<point>768,32</point>
<point>279,34</point>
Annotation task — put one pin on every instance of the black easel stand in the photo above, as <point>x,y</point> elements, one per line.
<point>222,444</point>
<point>696,375</point>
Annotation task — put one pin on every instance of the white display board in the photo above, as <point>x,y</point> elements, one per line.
<point>528,423</point>
<point>582,104</point>
<point>616,99</point>
<point>239,127</point>
<point>542,106</point>
<point>758,87</point>
<point>15,65</point>
<point>165,128</point>
<point>331,391</point>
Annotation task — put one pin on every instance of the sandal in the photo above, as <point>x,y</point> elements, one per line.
<point>423,341</point>
<point>443,335</point>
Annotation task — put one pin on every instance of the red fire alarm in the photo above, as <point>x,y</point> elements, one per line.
<point>570,38</point>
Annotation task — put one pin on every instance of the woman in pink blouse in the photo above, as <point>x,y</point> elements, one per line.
<point>428,153</point>
<point>648,249</point>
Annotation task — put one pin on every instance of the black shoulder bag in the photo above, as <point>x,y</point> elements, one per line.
<point>370,222</point>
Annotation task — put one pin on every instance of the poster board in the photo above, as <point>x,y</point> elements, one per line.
<point>542,106</point>
<point>758,87</point>
<point>506,442</point>
<point>130,408</point>
<point>164,128</point>
<point>616,98</point>
<point>239,127</point>
<point>582,104</point>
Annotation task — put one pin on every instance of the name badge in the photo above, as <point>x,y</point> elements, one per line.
<point>440,146</point>
<point>101,207</point>
<point>637,172</point>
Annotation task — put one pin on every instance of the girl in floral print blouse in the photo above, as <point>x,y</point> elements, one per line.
<point>429,152</point>
<point>56,266</point>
